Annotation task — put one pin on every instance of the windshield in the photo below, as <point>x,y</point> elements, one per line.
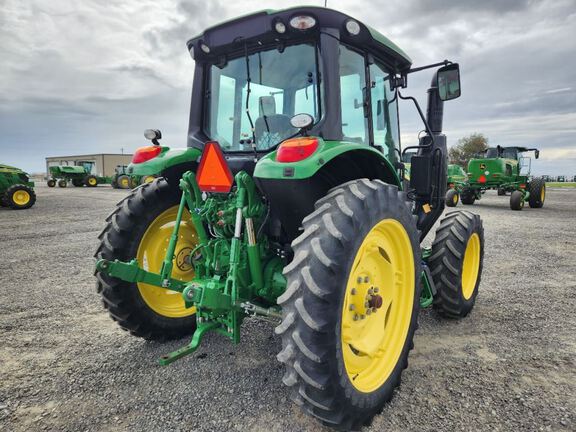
<point>283,82</point>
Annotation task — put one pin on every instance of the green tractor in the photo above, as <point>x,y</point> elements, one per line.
<point>16,189</point>
<point>506,170</point>
<point>292,211</point>
<point>121,179</point>
<point>79,175</point>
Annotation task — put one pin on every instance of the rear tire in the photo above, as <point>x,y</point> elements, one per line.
<point>20,197</point>
<point>51,183</point>
<point>126,227</point>
<point>317,311</point>
<point>62,183</point>
<point>456,263</point>
<point>517,200</point>
<point>537,192</point>
<point>467,197</point>
<point>123,182</point>
<point>451,198</point>
<point>77,182</point>
<point>501,192</point>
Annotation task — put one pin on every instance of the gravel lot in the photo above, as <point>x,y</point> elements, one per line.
<point>64,365</point>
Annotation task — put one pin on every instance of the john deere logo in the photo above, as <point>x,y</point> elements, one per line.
<point>482,166</point>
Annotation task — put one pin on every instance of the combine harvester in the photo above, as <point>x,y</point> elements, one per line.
<point>287,206</point>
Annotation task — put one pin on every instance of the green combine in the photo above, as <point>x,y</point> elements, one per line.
<point>291,210</point>
<point>506,170</point>
<point>79,175</point>
<point>16,189</point>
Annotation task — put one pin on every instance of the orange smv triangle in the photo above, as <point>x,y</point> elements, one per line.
<point>213,173</point>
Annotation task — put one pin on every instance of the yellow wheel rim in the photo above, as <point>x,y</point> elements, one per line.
<point>455,199</point>
<point>21,197</point>
<point>92,181</point>
<point>148,179</point>
<point>150,255</point>
<point>378,305</point>
<point>470,266</point>
<point>542,193</point>
<point>124,182</point>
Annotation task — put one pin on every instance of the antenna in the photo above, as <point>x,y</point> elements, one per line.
<point>325,3</point>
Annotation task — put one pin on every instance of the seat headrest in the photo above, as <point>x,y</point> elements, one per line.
<point>267,105</point>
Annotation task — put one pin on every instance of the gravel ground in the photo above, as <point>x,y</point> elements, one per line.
<point>64,365</point>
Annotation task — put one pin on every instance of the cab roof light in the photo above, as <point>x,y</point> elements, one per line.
<point>302,22</point>
<point>143,154</point>
<point>296,149</point>
<point>213,174</point>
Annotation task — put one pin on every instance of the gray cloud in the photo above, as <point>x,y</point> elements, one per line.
<point>90,76</point>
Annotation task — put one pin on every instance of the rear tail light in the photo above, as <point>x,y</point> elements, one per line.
<point>143,154</point>
<point>296,149</point>
<point>482,179</point>
<point>522,186</point>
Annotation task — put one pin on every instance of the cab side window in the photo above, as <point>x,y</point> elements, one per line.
<point>352,95</point>
<point>384,113</point>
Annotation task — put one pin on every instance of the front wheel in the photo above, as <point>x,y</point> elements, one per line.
<point>517,200</point>
<point>140,228</point>
<point>62,183</point>
<point>91,181</point>
<point>51,183</point>
<point>456,263</point>
<point>351,304</point>
<point>467,197</point>
<point>20,197</point>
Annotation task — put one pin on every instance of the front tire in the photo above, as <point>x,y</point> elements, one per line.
<point>51,183</point>
<point>91,181</point>
<point>62,183</point>
<point>467,197</point>
<point>140,227</point>
<point>517,200</point>
<point>355,274</point>
<point>456,263</point>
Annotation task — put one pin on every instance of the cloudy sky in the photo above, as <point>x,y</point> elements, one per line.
<point>88,76</point>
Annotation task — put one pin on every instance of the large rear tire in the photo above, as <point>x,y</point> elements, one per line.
<point>91,181</point>
<point>351,305</point>
<point>467,197</point>
<point>140,227</point>
<point>456,263</point>
<point>537,192</point>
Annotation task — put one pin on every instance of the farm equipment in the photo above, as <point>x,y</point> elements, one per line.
<point>456,180</point>
<point>79,175</point>
<point>121,179</point>
<point>506,170</point>
<point>16,189</point>
<point>291,210</point>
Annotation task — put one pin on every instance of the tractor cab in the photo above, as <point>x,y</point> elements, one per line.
<point>87,165</point>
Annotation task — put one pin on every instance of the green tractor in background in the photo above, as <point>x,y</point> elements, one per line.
<point>16,189</point>
<point>79,175</point>
<point>288,206</point>
<point>456,179</point>
<point>121,179</point>
<point>506,170</point>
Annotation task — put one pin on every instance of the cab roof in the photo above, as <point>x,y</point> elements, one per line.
<point>229,35</point>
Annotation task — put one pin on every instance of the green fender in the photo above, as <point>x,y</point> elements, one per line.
<point>166,159</point>
<point>269,168</point>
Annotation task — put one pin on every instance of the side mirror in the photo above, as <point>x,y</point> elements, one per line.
<point>153,135</point>
<point>448,82</point>
<point>536,154</point>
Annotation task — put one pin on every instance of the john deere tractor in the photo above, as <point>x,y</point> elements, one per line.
<point>506,170</point>
<point>120,179</point>
<point>16,189</point>
<point>79,175</point>
<point>292,211</point>
<point>456,180</point>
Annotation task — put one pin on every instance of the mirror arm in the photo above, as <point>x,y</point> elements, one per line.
<point>426,125</point>
<point>418,69</point>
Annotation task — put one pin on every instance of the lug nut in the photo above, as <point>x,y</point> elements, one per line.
<point>353,291</point>
<point>367,304</point>
<point>362,316</point>
<point>368,311</point>
<point>352,307</point>
<point>374,310</point>
<point>359,279</point>
<point>355,317</point>
<point>366,279</point>
<point>376,290</point>
<point>370,291</point>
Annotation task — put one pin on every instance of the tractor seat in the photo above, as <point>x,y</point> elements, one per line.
<point>271,128</point>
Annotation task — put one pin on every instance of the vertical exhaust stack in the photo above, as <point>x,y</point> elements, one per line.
<point>435,108</point>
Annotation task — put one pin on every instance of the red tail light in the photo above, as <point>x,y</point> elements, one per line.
<point>296,149</point>
<point>213,173</point>
<point>143,154</point>
<point>522,186</point>
<point>482,179</point>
